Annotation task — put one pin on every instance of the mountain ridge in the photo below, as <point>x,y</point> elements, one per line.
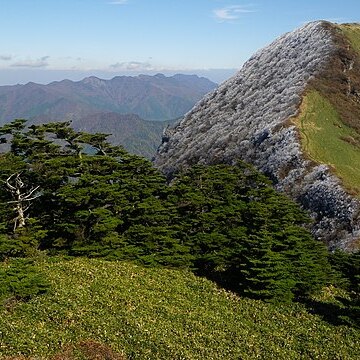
<point>250,117</point>
<point>151,97</point>
<point>138,136</point>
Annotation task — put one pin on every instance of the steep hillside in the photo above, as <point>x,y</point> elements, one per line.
<point>116,308</point>
<point>150,97</point>
<point>293,111</point>
<point>138,136</point>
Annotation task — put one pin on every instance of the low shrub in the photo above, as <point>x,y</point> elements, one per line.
<point>19,280</point>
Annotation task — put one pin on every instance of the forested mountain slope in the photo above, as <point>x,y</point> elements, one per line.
<point>151,97</point>
<point>293,111</point>
<point>135,110</point>
<point>138,136</point>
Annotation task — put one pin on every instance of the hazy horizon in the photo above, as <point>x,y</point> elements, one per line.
<point>44,77</point>
<point>44,41</point>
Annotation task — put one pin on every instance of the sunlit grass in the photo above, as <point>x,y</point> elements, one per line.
<point>326,139</point>
<point>157,313</point>
<point>352,32</point>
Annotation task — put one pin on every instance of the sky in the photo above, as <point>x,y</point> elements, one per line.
<point>48,40</point>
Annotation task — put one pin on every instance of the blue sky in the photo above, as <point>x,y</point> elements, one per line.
<point>45,40</point>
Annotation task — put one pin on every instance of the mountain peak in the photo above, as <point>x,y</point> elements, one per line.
<point>151,97</point>
<point>252,117</point>
<point>93,80</point>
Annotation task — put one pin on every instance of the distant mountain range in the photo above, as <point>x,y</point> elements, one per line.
<point>133,109</point>
<point>135,134</point>
<point>151,97</point>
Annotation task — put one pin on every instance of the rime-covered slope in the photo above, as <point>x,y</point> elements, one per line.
<point>252,117</point>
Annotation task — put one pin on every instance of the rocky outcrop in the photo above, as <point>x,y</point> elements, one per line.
<point>247,118</point>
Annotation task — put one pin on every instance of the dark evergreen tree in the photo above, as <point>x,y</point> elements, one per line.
<point>95,199</point>
<point>93,194</point>
<point>236,224</point>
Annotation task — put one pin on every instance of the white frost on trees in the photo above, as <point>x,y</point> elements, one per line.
<point>247,118</point>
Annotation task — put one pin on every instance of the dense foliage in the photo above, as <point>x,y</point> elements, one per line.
<point>348,266</point>
<point>20,280</point>
<point>88,190</point>
<point>73,193</point>
<point>238,227</point>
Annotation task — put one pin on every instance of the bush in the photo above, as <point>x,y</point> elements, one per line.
<point>19,280</point>
<point>24,242</point>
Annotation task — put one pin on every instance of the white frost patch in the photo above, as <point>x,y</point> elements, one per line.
<point>243,118</point>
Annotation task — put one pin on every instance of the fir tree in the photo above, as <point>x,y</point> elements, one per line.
<point>236,224</point>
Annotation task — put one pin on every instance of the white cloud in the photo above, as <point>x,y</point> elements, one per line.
<point>118,2</point>
<point>133,66</point>
<point>30,63</point>
<point>230,13</point>
<point>5,57</point>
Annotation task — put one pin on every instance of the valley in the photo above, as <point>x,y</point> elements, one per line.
<point>135,110</point>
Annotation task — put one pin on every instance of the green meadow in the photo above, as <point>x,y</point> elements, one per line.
<point>157,313</point>
<point>352,32</point>
<point>326,139</point>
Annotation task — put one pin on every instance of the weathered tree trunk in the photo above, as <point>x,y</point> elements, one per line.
<point>22,198</point>
<point>21,216</point>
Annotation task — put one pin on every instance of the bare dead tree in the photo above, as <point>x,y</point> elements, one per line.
<point>22,198</point>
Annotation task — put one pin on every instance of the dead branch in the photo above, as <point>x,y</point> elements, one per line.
<point>15,186</point>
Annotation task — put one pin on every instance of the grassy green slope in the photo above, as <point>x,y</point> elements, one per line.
<point>149,313</point>
<point>352,33</point>
<point>326,139</point>
<point>329,119</point>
